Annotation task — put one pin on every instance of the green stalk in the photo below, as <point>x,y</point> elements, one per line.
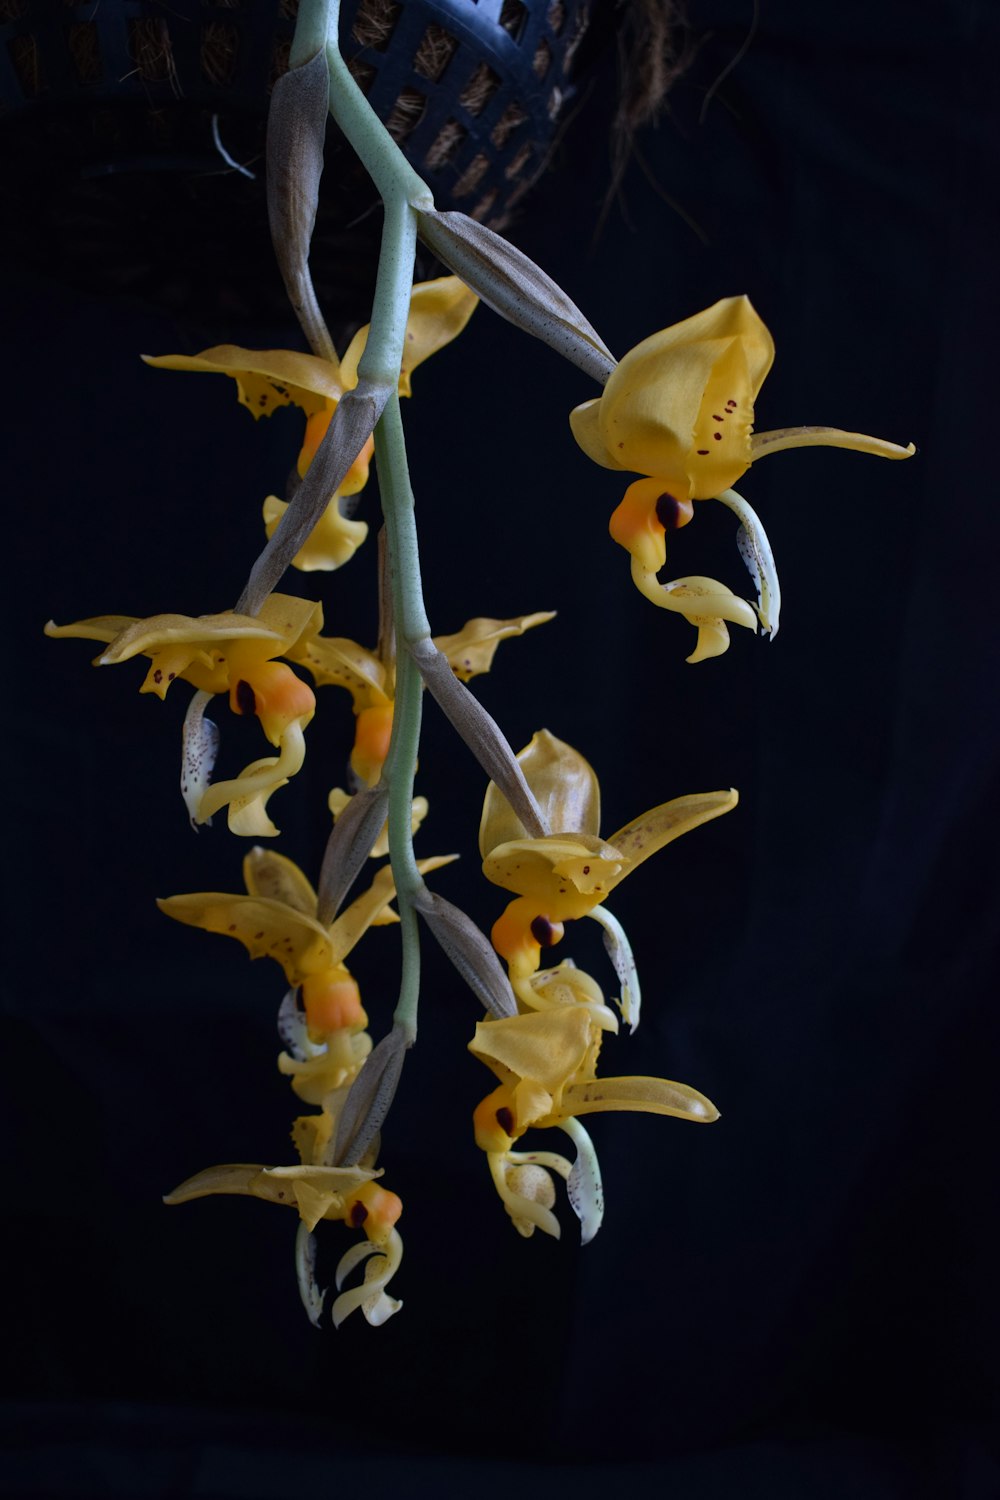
<point>411,624</point>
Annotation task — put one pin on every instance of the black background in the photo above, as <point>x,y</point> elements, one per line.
<point>800,1301</point>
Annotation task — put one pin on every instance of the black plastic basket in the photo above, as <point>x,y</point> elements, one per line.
<point>114,118</point>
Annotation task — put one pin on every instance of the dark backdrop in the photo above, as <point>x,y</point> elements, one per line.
<point>798,1302</point>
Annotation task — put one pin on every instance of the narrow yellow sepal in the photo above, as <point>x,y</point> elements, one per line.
<point>472,649</point>
<point>655,1096</point>
<point>661,825</point>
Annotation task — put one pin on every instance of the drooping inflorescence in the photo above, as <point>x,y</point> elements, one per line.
<point>678,412</point>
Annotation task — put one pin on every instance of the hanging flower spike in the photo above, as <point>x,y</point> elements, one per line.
<point>547,1066</point>
<point>679,409</point>
<point>573,870</point>
<point>226,653</point>
<point>269,378</point>
<point>371,682</point>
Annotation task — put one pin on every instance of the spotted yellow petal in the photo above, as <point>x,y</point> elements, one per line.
<point>567,876</point>
<point>661,825</point>
<point>265,378</point>
<point>266,928</point>
<point>272,875</point>
<point>337,662</point>
<point>679,406</point>
<point>158,631</point>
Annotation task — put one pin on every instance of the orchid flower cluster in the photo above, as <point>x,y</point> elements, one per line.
<point>678,412</point>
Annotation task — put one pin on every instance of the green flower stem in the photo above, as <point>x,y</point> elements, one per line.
<point>312,28</point>
<point>411,624</point>
<point>381,157</point>
<point>399,770</point>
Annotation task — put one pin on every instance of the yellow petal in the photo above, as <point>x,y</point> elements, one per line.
<point>680,404</point>
<point>531,1102</point>
<point>565,787</point>
<point>654,1096</point>
<point>291,618</point>
<point>585,425</point>
<point>439,310</point>
<point>275,1184</point>
<point>337,662</point>
<point>472,649</point>
<point>311,1136</point>
<point>661,825</point>
<point>316,1203</point>
<point>266,928</point>
<point>265,378</point>
<point>152,634</point>
<point>272,875</point>
<point>332,542</point>
<point>548,1046</point>
<point>567,876</point>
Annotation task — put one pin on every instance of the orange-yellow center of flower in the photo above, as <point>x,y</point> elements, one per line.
<point>494,1121</point>
<point>371,742</point>
<point>332,1002</point>
<point>521,932</point>
<point>373,1209</point>
<point>647,512</point>
<point>274,693</point>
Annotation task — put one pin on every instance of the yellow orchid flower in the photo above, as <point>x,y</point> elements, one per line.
<point>225,653</point>
<point>277,919</point>
<point>679,409</point>
<point>547,1066</point>
<point>371,681</point>
<point>269,378</point>
<point>348,1195</point>
<point>571,872</point>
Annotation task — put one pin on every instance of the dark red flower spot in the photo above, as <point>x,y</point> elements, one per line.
<point>543,932</point>
<point>668,512</point>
